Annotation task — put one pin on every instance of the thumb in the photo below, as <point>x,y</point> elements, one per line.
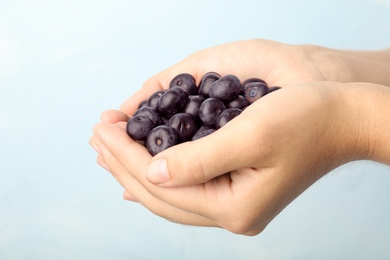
<point>229,148</point>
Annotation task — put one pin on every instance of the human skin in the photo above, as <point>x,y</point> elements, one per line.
<point>277,148</point>
<point>276,63</point>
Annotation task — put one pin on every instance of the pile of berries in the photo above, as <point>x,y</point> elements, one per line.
<point>186,112</point>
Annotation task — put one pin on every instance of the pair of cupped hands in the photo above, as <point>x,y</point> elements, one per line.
<point>243,175</point>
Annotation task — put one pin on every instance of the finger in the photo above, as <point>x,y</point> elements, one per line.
<point>102,163</point>
<point>155,205</point>
<point>128,196</point>
<point>95,143</point>
<point>200,199</point>
<point>113,116</point>
<point>206,158</point>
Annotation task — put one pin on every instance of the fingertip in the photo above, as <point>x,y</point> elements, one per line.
<point>157,172</point>
<point>113,116</point>
<point>102,163</point>
<point>97,128</point>
<point>128,196</point>
<point>92,142</point>
<point>106,133</point>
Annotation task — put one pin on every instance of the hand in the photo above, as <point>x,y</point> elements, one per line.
<point>240,177</point>
<point>276,63</point>
<point>277,147</point>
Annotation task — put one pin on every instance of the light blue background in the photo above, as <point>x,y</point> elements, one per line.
<point>63,62</point>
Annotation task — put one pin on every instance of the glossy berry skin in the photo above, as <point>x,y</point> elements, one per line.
<point>164,121</point>
<point>185,81</point>
<point>210,110</point>
<point>205,127</point>
<point>143,104</point>
<point>184,124</point>
<point>138,127</point>
<point>193,104</point>
<point>161,138</point>
<point>205,83</point>
<point>171,102</point>
<point>202,133</point>
<point>152,100</point>
<point>273,88</point>
<point>150,113</point>
<point>252,80</point>
<point>255,91</point>
<point>239,102</point>
<point>227,115</point>
<point>186,112</point>
<point>226,88</point>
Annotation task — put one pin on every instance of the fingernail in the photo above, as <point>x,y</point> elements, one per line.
<point>157,172</point>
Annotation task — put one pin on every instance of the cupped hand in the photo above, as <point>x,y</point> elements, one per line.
<point>277,63</point>
<point>243,175</point>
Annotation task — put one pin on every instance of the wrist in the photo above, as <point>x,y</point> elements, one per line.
<point>351,66</point>
<point>366,117</point>
<point>367,66</point>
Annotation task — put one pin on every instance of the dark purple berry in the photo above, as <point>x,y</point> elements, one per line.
<point>254,91</point>
<point>150,113</point>
<point>172,101</point>
<point>273,88</point>
<point>184,124</point>
<point>185,112</point>
<point>193,104</point>
<point>226,88</point>
<point>210,110</point>
<point>252,80</point>
<point>138,127</point>
<point>185,81</point>
<point>202,133</point>
<point>205,83</point>
<point>238,102</point>
<point>161,138</point>
<point>143,104</point>
<point>227,115</point>
<point>164,121</point>
<point>205,127</point>
<point>152,100</point>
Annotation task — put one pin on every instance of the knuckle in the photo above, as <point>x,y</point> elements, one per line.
<point>235,220</point>
<point>237,226</point>
<point>243,227</point>
<point>198,173</point>
<point>241,220</point>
